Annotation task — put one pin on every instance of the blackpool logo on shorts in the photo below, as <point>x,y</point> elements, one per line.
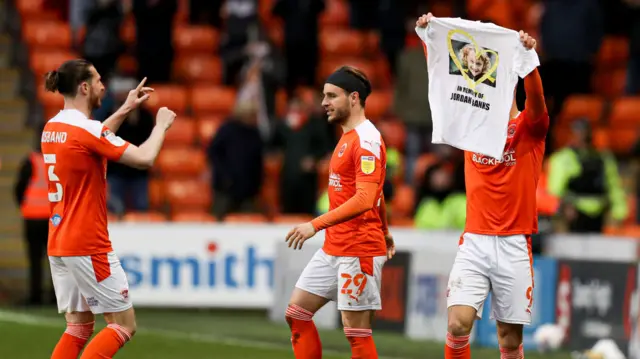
<point>92,302</point>
<point>125,294</point>
<point>342,149</point>
<point>367,164</point>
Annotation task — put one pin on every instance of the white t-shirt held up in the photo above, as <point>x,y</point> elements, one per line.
<point>473,70</point>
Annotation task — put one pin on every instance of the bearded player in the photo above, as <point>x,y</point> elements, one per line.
<point>87,276</point>
<point>348,268</point>
<point>495,250</point>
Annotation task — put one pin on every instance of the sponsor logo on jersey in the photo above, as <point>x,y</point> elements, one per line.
<point>508,159</point>
<point>368,164</point>
<point>334,181</point>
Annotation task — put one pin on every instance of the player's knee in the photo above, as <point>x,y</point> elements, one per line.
<point>509,335</point>
<point>295,312</point>
<point>81,330</point>
<point>362,319</point>
<point>459,326</point>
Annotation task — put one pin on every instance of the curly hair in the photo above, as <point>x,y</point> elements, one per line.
<point>464,56</point>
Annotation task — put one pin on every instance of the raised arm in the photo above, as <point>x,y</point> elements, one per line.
<point>536,115</point>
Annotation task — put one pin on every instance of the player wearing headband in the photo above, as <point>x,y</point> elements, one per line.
<point>348,268</point>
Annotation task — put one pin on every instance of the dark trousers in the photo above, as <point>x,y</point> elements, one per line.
<point>36,233</point>
<point>586,224</point>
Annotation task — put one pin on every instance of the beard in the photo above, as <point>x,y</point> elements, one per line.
<point>95,101</point>
<point>339,116</point>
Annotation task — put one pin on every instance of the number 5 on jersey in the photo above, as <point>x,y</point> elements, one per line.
<point>50,162</point>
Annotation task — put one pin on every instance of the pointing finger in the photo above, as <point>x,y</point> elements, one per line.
<point>141,84</point>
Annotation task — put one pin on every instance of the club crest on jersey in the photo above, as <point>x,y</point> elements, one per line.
<point>511,131</point>
<point>367,164</point>
<point>56,219</point>
<point>342,149</point>
<point>111,137</point>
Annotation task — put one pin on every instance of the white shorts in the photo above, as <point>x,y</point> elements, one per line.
<point>358,280</point>
<point>500,264</point>
<point>94,283</point>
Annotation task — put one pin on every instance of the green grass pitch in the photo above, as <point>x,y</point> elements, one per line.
<point>192,334</point>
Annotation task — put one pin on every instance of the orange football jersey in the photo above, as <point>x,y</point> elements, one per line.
<point>360,156</point>
<point>75,151</point>
<point>501,194</point>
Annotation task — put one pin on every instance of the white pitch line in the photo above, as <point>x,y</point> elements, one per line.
<point>41,321</point>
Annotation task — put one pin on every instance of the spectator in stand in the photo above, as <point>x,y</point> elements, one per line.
<point>633,67</point>
<point>128,187</point>
<point>571,33</point>
<point>410,105</point>
<point>102,44</point>
<point>440,198</point>
<point>300,39</point>
<point>154,38</point>
<point>236,158</point>
<point>241,27</point>
<point>587,182</point>
<point>206,12</point>
<point>303,139</point>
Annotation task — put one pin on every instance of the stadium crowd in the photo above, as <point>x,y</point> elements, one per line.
<point>251,141</point>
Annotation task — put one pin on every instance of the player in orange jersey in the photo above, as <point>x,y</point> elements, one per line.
<point>87,276</point>
<point>495,249</point>
<point>348,269</point>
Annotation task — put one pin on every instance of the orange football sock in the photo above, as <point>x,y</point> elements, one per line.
<point>457,347</point>
<point>512,353</point>
<point>73,340</point>
<point>107,343</point>
<point>304,335</point>
<point>362,345</point>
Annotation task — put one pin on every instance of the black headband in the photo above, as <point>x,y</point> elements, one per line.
<point>349,82</point>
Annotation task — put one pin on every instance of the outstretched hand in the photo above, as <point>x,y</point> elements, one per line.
<point>527,41</point>
<point>134,100</point>
<point>423,20</point>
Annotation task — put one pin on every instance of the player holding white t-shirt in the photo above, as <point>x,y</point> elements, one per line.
<point>87,276</point>
<point>495,251</point>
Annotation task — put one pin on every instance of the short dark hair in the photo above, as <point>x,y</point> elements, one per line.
<point>66,78</point>
<point>360,75</point>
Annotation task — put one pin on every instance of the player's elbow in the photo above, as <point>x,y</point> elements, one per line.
<point>137,158</point>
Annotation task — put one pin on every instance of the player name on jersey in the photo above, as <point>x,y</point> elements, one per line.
<point>54,137</point>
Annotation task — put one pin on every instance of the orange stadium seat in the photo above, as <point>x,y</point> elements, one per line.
<point>622,140</point>
<point>581,106</point>
<point>207,128</point>
<point>181,162</point>
<point>329,65</point>
<point>207,100</point>
<point>393,133</point>
<point>378,104</point>
<point>144,217</point>
<point>601,138</point>
<point>245,218</point>
<point>403,201</point>
<point>44,61</point>
<point>43,34</point>
<point>188,195</point>
<point>342,42</point>
<point>202,39</point>
<point>171,96</point>
<point>199,68</point>
<point>406,222</point>
<point>609,83</point>
<point>128,64</point>
<point>48,99</point>
<point>625,112</point>
<point>183,132</point>
<point>193,217</point>
<point>613,53</point>
<point>156,194</point>
<point>335,14</point>
<point>128,30</point>
<point>292,219</point>
<point>34,9</point>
